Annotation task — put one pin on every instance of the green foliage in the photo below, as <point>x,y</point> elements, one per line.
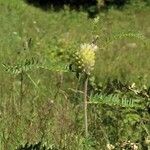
<point>112,100</point>
<point>33,64</point>
<point>28,64</point>
<point>52,113</point>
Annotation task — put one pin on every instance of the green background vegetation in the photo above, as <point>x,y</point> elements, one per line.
<point>42,106</point>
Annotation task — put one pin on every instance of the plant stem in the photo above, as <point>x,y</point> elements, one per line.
<point>85,107</point>
<point>21,90</point>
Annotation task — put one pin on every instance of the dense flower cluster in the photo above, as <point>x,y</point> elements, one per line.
<point>85,57</point>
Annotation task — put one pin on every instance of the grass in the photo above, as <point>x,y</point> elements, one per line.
<point>58,31</point>
<point>50,112</point>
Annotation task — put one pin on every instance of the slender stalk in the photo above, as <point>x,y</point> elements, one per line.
<point>85,107</point>
<point>59,84</point>
<point>21,89</point>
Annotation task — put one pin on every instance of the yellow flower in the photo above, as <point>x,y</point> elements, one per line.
<point>86,57</point>
<point>110,146</point>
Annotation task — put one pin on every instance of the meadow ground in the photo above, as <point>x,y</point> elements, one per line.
<point>40,105</point>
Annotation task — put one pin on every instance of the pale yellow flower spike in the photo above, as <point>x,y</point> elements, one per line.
<point>86,57</point>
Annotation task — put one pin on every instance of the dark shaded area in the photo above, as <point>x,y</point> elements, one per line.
<point>37,146</point>
<point>58,4</point>
<point>91,6</point>
<point>87,5</point>
<point>118,3</point>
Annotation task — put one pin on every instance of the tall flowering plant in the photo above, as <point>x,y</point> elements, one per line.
<point>85,61</point>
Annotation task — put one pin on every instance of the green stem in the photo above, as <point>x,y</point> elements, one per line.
<point>21,89</point>
<point>85,107</point>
